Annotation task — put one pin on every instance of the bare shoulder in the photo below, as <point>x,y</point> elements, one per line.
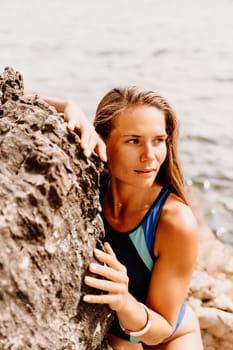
<point>177,227</point>
<point>177,215</point>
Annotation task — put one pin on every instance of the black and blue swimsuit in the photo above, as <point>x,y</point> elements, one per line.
<point>134,249</point>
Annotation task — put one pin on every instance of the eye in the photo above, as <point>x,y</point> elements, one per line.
<point>159,140</point>
<point>133,141</point>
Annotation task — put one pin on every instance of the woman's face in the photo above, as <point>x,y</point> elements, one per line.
<point>136,147</point>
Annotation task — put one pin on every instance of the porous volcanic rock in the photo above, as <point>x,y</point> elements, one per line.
<point>49,226</point>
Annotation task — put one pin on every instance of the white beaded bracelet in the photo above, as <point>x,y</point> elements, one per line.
<point>143,330</point>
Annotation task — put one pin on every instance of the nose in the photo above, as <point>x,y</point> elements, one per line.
<point>147,152</point>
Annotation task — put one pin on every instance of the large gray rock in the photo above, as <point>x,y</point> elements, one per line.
<point>49,226</point>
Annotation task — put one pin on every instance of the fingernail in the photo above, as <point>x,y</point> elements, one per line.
<point>93,267</point>
<point>86,298</point>
<point>87,279</point>
<point>87,153</point>
<point>70,126</point>
<point>97,251</point>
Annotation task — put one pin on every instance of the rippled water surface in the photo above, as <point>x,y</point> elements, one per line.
<point>79,49</point>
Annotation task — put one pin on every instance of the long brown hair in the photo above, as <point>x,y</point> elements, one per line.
<point>116,101</point>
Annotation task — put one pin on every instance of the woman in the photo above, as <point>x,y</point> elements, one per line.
<point>151,233</point>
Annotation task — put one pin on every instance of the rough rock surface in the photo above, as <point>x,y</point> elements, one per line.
<point>211,292</point>
<point>49,226</point>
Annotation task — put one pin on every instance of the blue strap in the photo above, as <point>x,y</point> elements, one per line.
<point>179,319</point>
<point>150,223</point>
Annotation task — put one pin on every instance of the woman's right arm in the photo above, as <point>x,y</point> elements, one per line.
<point>76,120</point>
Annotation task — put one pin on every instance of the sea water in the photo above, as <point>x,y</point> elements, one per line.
<point>80,49</point>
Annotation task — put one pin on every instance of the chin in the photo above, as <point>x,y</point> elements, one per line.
<point>145,183</point>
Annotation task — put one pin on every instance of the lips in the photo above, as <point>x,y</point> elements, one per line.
<point>145,171</point>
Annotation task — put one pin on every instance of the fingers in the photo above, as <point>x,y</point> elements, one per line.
<point>113,279</point>
<point>102,284</point>
<point>89,139</point>
<point>108,249</point>
<point>110,273</point>
<point>73,115</point>
<point>115,292</point>
<point>100,149</point>
<point>72,124</point>
<point>110,299</point>
<point>109,258</point>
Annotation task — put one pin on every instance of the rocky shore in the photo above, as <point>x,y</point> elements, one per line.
<point>211,292</point>
<point>49,226</point>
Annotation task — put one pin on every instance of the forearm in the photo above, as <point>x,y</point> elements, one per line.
<point>59,105</point>
<point>73,114</point>
<point>134,317</point>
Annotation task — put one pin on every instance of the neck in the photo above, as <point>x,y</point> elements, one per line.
<point>123,198</point>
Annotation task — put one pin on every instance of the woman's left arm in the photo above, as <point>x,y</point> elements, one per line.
<point>177,250</point>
